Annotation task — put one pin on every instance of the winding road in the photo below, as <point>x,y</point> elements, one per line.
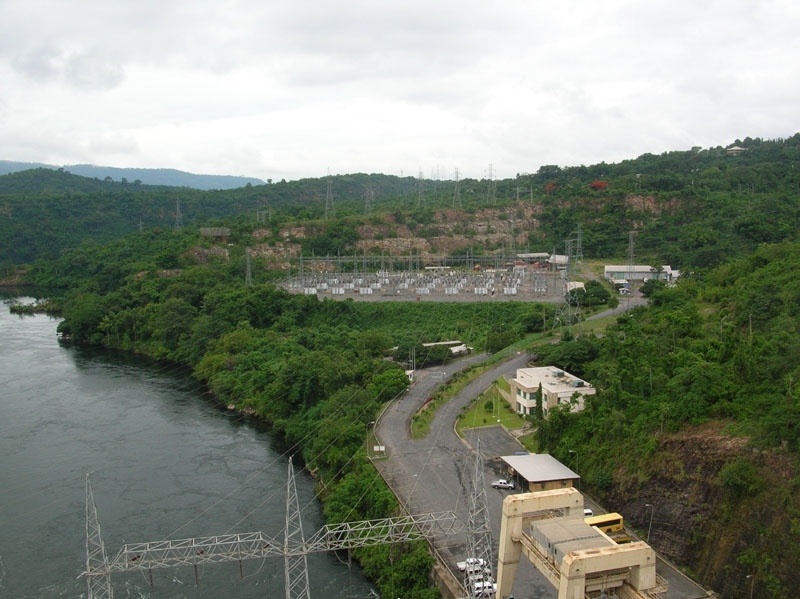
<point>428,475</point>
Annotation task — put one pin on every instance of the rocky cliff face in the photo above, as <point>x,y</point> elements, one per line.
<point>706,524</point>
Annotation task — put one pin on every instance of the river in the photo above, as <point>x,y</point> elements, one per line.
<point>166,462</point>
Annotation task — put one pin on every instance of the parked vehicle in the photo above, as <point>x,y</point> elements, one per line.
<point>587,512</point>
<point>474,563</point>
<point>487,588</point>
<point>502,483</point>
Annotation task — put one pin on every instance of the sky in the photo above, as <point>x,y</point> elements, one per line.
<point>299,88</point>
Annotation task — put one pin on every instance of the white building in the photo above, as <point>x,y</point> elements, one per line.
<point>639,272</point>
<point>558,388</point>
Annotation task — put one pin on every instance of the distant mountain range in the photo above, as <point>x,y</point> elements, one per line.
<point>148,176</point>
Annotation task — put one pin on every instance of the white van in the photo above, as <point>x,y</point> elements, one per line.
<point>487,588</point>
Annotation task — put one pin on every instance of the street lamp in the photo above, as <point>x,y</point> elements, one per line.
<point>752,584</point>
<point>575,453</point>
<point>650,526</point>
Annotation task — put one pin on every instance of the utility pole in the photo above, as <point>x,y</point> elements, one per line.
<point>296,561</point>
<point>650,526</point>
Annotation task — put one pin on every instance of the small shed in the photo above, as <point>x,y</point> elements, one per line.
<point>539,472</point>
<point>220,233</point>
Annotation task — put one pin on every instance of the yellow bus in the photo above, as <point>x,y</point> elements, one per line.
<point>612,524</point>
<point>606,522</point>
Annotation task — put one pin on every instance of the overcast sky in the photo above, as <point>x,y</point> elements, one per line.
<point>291,89</point>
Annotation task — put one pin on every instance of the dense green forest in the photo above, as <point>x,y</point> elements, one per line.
<point>690,209</point>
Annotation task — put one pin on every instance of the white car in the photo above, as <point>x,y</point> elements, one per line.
<point>475,564</point>
<point>502,483</point>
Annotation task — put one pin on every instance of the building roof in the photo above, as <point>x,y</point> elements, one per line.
<point>524,255</point>
<point>559,259</point>
<point>562,535</point>
<point>552,379</point>
<point>539,467</point>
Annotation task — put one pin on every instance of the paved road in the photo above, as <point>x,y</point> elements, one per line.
<point>430,474</point>
<point>625,304</point>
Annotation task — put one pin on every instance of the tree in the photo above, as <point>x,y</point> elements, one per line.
<point>651,286</point>
<point>596,294</point>
<point>539,408</point>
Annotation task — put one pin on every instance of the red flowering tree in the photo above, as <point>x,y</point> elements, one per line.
<point>598,185</point>
<point>550,187</point>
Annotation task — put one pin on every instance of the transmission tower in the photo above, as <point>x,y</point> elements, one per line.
<point>631,237</point>
<point>330,210</point>
<point>479,533</point>
<point>436,185</point>
<point>295,561</point>
<point>420,200</point>
<point>456,194</point>
<point>569,312</point>
<point>98,575</point>
<point>369,198</point>
<point>579,245</point>
<point>490,184</point>
<point>293,548</point>
<point>261,215</point>
<point>178,216</point>
<point>248,277</point>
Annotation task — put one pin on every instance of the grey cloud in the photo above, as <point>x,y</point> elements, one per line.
<point>88,70</point>
<point>40,63</point>
<point>91,71</point>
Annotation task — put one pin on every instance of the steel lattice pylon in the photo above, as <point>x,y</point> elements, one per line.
<point>98,576</point>
<point>295,561</point>
<point>479,533</point>
<point>293,547</point>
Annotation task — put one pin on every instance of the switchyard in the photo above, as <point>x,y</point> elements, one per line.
<point>448,279</point>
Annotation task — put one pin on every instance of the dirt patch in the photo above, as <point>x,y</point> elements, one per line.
<point>202,255</point>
